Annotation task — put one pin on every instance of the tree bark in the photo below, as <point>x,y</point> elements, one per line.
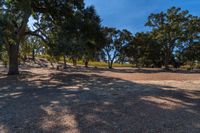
<point>110,64</point>
<point>13,53</point>
<point>13,50</point>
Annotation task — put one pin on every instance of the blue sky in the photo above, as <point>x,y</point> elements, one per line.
<point>132,14</point>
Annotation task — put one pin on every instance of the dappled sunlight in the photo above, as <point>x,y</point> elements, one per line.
<point>59,118</point>
<point>197,125</point>
<point>4,129</point>
<point>75,88</point>
<point>15,94</point>
<point>64,69</point>
<point>166,102</point>
<point>193,111</point>
<point>95,120</point>
<point>80,102</point>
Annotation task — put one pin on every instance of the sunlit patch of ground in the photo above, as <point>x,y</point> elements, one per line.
<point>166,102</point>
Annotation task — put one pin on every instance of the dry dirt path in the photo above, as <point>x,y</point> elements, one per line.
<point>99,101</point>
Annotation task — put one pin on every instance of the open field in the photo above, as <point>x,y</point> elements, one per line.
<point>42,100</point>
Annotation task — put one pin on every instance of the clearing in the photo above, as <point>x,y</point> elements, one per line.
<point>42,100</point>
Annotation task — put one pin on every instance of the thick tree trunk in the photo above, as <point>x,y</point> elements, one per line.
<point>110,64</point>
<point>65,62</point>
<point>13,52</point>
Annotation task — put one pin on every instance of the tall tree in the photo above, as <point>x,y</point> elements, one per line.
<point>81,36</point>
<point>115,41</point>
<point>144,51</point>
<point>191,44</point>
<point>30,46</point>
<point>93,38</point>
<point>15,16</point>
<point>169,29</point>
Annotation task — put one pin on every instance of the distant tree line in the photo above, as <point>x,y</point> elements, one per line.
<point>70,30</point>
<point>173,40</point>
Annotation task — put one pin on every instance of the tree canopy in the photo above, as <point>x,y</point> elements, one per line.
<point>71,30</point>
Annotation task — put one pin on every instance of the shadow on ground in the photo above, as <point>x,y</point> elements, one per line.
<point>62,102</point>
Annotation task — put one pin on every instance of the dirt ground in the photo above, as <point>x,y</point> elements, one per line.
<point>42,100</point>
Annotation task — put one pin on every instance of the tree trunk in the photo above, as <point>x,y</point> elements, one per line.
<point>5,64</point>
<point>65,62</point>
<point>25,58</point>
<point>193,59</point>
<point>13,52</point>
<point>110,64</point>
<point>74,62</point>
<point>166,63</point>
<point>33,54</point>
<point>86,63</point>
<point>52,65</point>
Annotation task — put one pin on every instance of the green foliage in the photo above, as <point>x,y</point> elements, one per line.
<point>144,51</point>
<point>3,55</point>
<point>101,64</point>
<point>69,29</point>
<point>80,35</point>
<point>115,41</point>
<point>48,16</point>
<point>173,30</point>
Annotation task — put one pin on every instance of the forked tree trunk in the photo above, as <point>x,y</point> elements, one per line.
<point>13,52</point>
